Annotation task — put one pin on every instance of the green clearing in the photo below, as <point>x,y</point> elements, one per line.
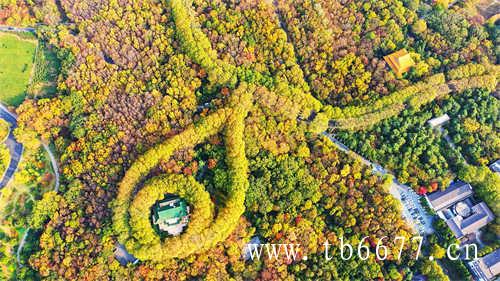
<point>16,62</point>
<point>46,69</point>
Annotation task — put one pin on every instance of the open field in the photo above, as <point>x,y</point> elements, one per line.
<point>16,61</point>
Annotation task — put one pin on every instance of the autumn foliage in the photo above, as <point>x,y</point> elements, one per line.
<point>133,227</point>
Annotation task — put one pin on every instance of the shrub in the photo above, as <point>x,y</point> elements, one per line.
<point>4,129</point>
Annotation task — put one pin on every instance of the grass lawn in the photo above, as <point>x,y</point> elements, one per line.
<point>16,62</point>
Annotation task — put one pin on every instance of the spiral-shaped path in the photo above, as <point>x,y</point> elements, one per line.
<point>205,229</point>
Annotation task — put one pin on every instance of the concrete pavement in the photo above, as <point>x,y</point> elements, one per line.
<point>16,29</point>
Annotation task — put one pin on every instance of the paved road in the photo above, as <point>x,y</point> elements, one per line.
<point>413,211</point>
<point>15,148</point>
<point>16,29</point>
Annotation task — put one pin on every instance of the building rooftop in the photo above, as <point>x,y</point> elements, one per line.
<point>171,214</point>
<point>400,61</point>
<point>170,209</point>
<point>254,242</point>
<point>480,215</point>
<point>495,166</point>
<point>456,192</point>
<point>434,122</point>
<point>492,262</point>
<point>123,256</point>
<point>487,267</point>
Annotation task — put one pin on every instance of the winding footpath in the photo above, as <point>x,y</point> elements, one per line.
<point>55,166</point>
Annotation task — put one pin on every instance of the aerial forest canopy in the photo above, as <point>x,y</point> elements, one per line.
<point>230,105</point>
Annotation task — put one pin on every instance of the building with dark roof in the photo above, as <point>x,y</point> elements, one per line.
<point>123,256</point>
<point>456,192</point>
<point>477,216</point>
<point>487,267</point>
<point>495,166</point>
<point>458,209</point>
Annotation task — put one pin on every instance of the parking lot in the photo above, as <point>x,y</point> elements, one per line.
<point>413,211</point>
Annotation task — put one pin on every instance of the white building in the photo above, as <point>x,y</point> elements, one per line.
<point>438,121</point>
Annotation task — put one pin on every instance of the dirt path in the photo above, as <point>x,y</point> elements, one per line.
<point>54,165</point>
<point>20,247</point>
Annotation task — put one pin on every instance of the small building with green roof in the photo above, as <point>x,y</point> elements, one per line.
<point>171,214</point>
